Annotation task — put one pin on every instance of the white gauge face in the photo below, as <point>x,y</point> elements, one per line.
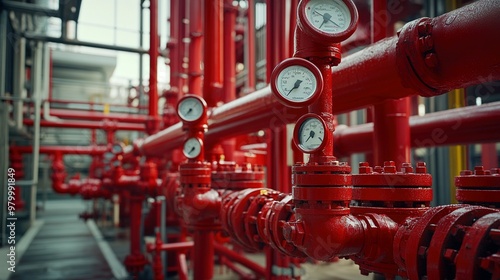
<point>296,83</point>
<point>117,148</point>
<point>329,16</point>
<point>190,109</point>
<point>192,148</point>
<point>311,134</point>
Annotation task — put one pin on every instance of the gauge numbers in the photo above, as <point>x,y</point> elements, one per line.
<point>190,109</point>
<point>296,83</point>
<point>329,16</point>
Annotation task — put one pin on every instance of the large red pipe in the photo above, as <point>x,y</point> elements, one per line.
<point>88,125</point>
<point>464,52</point>
<point>472,124</point>
<point>213,52</point>
<point>74,150</point>
<point>153,66</point>
<point>195,47</point>
<point>368,77</point>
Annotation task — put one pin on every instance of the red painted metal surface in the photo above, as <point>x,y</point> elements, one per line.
<point>195,79</point>
<point>479,187</point>
<point>136,260</point>
<point>105,125</point>
<point>455,126</point>
<point>97,116</point>
<point>75,150</point>
<point>153,122</point>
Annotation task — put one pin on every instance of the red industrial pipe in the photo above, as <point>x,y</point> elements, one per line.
<point>427,58</point>
<point>96,116</point>
<point>135,261</point>
<point>75,150</point>
<point>195,78</point>
<point>367,77</point>
<point>153,124</point>
<point>391,139</point>
<point>213,51</point>
<point>472,124</point>
<point>250,55</point>
<point>106,125</point>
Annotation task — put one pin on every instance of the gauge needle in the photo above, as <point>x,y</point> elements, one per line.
<point>296,85</point>
<point>192,150</point>
<point>320,139</point>
<point>326,18</point>
<point>189,111</point>
<point>311,135</point>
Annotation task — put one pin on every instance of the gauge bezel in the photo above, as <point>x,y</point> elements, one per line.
<point>296,61</point>
<point>297,129</point>
<point>188,155</point>
<point>309,28</point>
<point>200,100</point>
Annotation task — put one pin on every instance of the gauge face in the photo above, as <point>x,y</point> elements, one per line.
<point>329,16</point>
<point>192,148</point>
<point>190,109</point>
<point>117,149</point>
<point>296,82</point>
<point>311,134</point>
<point>108,156</point>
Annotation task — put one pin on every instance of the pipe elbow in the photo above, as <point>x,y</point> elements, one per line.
<point>322,236</point>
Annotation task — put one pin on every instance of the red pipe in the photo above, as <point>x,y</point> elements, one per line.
<point>213,51</point>
<point>367,77</point>
<point>75,150</point>
<point>472,124</point>
<point>135,261</point>
<point>203,254</point>
<point>52,101</point>
<point>173,45</point>
<point>195,47</point>
<point>88,125</point>
<point>96,116</point>
<point>391,139</point>
<point>154,121</point>
<point>236,257</point>
<point>394,68</point>
<point>251,45</point>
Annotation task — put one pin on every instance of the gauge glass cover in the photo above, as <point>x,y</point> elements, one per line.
<point>190,109</point>
<point>329,16</point>
<point>192,148</point>
<point>296,83</point>
<point>311,134</point>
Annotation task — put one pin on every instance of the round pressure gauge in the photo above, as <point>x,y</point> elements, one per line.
<point>332,20</point>
<point>296,82</point>
<point>192,147</point>
<point>117,148</point>
<point>191,108</point>
<point>310,133</point>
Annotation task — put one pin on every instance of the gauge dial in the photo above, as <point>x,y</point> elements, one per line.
<point>296,82</point>
<point>190,108</point>
<point>335,20</point>
<point>117,148</point>
<point>192,148</point>
<point>310,133</point>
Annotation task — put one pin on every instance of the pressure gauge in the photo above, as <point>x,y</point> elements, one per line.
<point>332,20</point>
<point>191,108</point>
<point>296,82</point>
<point>117,149</point>
<point>192,147</point>
<point>310,133</point>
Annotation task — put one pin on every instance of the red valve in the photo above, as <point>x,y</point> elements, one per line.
<point>479,187</point>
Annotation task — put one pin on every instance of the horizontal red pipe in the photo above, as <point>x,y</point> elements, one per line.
<point>464,50</point>
<point>178,246</point>
<point>75,150</point>
<point>472,124</point>
<point>238,258</point>
<point>379,72</point>
<point>107,125</point>
<point>94,103</point>
<point>97,116</point>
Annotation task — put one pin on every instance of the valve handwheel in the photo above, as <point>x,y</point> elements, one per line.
<point>329,20</point>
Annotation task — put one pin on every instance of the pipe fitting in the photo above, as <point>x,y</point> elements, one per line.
<point>479,187</point>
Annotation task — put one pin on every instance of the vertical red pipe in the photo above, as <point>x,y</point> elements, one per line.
<point>390,118</point>
<point>173,45</point>
<point>153,66</point>
<point>213,51</point>
<point>251,45</point>
<point>203,254</point>
<point>135,224</point>
<point>230,12</point>
<point>195,47</point>
<point>277,49</point>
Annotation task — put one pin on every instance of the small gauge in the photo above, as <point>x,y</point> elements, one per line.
<point>296,82</point>
<point>333,20</point>
<point>192,147</point>
<point>108,156</point>
<point>191,108</point>
<point>310,133</point>
<point>117,148</point>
